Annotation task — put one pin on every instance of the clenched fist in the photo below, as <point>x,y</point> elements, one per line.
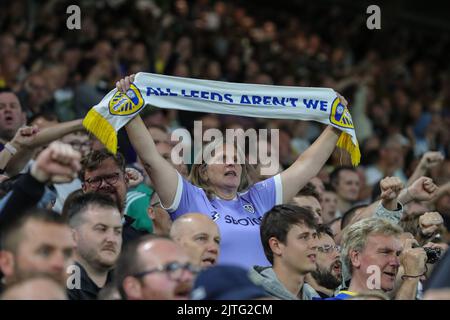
<point>390,189</point>
<point>413,260</point>
<point>59,163</point>
<point>430,222</point>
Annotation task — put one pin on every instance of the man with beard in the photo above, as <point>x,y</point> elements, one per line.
<point>328,276</point>
<point>154,268</point>
<point>104,172</point>
<point>199,235</point>
<point>372,253</point>
<point>97,232</point>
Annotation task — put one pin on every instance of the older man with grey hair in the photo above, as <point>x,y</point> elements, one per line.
<point>372,254</point>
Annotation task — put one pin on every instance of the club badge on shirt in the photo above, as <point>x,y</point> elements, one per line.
<point>249,208</point>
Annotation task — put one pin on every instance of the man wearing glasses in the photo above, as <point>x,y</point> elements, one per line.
<point>154,268</point>
<point>103,172</point>
<point>328,276</point>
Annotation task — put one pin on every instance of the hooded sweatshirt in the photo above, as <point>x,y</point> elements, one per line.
<point>266,277</point>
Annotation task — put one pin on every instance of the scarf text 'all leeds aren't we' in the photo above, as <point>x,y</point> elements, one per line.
<point>240,99</point>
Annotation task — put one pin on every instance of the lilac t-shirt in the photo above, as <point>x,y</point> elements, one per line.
<point>238,219</point>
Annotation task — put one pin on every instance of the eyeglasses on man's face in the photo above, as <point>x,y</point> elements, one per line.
<point>76,144</point>
<point>174,270</point>
<point>110,179</point>
<point>328,248</point>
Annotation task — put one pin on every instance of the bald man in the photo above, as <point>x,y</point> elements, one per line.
<point>35,287</point>
<point>199,236</point>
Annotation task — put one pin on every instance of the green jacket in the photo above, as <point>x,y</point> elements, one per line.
<point>138,200</point>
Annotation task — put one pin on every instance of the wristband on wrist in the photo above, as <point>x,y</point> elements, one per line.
<point>10,148</point>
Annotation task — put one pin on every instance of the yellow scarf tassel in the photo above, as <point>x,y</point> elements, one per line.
<point>345,142</point>
<point>102,129</point>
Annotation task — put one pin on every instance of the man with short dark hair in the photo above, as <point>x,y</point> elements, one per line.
<point>39,240</point>
<point>345,181</point>
<point>104,172</point>
<point>154,268</point>
<point>97,232</point>
<point>12,116</point>
<point>309,198</point>
<point>289,239</point>
<point>328,201</point>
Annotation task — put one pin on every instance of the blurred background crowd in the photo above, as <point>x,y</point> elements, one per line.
<point>397,79</point>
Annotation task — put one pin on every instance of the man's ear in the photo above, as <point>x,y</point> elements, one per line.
<point>276,246</point>
<point>74,237</point>
<point>355,258</point>
<point>7,263</point>
<point>151,213</point>
<point>127,180</point>
<point>132,288</point>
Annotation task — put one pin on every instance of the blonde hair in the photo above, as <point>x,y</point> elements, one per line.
<point>355,238</point>
<point>200,165</point>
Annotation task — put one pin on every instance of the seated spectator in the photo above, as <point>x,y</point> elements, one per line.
<point>97,232</point>
<point>199,236</point>
<point>35,287</point>
<point>154,268</point>
<point>289,239</point>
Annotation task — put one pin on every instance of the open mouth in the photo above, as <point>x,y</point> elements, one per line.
<point>182,292</point>
<point>9,119</point>
<point>312,257</point>
<point>390,274</point>
<point>337,267</point>
<point>208,261</point>
<point>230,173</point>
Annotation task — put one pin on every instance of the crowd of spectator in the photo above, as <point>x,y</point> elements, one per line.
<point>79,222</point>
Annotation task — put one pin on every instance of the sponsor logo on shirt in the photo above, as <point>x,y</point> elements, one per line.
<point>243,221</point>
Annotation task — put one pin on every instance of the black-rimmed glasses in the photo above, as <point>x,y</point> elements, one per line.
<point>110,179</point>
